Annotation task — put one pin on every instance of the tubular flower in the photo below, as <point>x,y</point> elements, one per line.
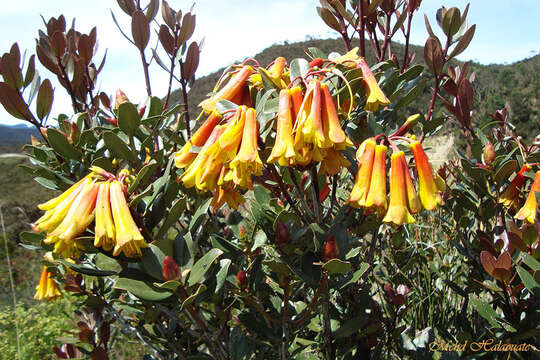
<point>510,196</point>
<point>375,95</point>
<point>231,138</point>
<point>333,162</point>
<point>234,85</point>
<point>296,99</point>
<point>349,59</point>
<point>185,157</point>
<point>193,173</point>
<point>275,74</point>
<point>429,193</point>
<point>413,202</point>
<point>75,222</point>
<point>104,231</point>
<point>528,211</point>
<point>398,212</point>
<point>376,196</point>
<point>227,195</point>
<point>309,126</point>
<point>47,288</point>
<point>51,204</point>
<point>283,150</point>
<point>332,128</point>
<point>128,238</point>
<point>365,158</point>
<point>247,161</point>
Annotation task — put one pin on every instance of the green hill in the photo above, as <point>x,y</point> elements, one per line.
<point>515,86</point>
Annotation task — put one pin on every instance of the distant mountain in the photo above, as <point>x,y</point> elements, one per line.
<point>13,137</point>
<point>514,86</point>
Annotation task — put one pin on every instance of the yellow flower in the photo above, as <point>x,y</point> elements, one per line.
<point>528,211</point>
<point>234,85</point>
<point>332,128</point>
<point>349,59</point>
<point>104,231</point>
<point>398,212</point>
<point>47,288</point>
<point>309,127</point>
<point>429,193</point>
<point>75,222</point>
<point>275,73</point>
<point>413,202</point>
<point>365,157</point>
<point>185,157</point>
<point>376,197</point>
<point>296,99</point>
<point>247,161</point>
<point>230,140</point>
<point>51,204</point>
<point>128,238</point>
<point>283,150</point>
<point>192,176</point>
<point>375,95</point>
<point>226,195</point>
<point>333,162</point>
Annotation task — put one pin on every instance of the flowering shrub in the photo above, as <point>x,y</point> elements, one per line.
<point>282,226</point>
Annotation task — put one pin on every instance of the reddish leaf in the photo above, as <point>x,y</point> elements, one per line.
<point>192,61</point>
<point>463,42</point>
<point>44,99</point>
<point>166,39</point>
<point>11,72</point>
<point>127,6</point>
<point>85,47</point>
<point>140,29</point>
<point>187,29</point>
<point>488,262</point>
<point>168,14</point>
<point>13,103</point>
<point>58,44</point>
<point>504,261</point>
<point>30,70</point>
<point>46,60</point>
<point>433,55</point>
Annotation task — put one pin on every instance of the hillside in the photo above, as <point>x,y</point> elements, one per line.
<point>496,86</point>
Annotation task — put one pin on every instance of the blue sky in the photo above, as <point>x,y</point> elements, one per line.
<point>235,29</point>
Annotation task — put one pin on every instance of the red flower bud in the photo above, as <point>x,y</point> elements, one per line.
<point>323,194</point>
<point>489,153</point>
<point>316,62</point>
<point>330,249</point>
<point>241,279</point>
<point>112,121</point>
<point>171,270</point>
<point>282,233</point>
<point>141,110</point>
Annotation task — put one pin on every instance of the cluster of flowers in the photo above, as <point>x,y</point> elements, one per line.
<point>47,287</point>
<point>369,189</point>
<point>222,155</point>
<point>510,197</point>
<point>100,196</point>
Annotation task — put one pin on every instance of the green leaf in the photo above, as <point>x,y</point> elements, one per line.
<point>85,269</point>
<point>140,285</point>
<point>530,261</point>
<point>222,273</point>
<point>152,261</point>
<point>44,99</point>
<point>169,285</point>
<point>336,266</point>
<point>143,175</point>
<point>128,118</point>
<point>202,266</point>
<point>193,296</point>
<point>351,326</point>
<point>261,195</point>
<point>173,215</point>
<point>197,217</point>
<point>117,147</point>
<point>505,170</point>
<point>528,280</point>
<point>298,67</point>
<point>61,145</point>
<point>357,275</point>
<point>485,310</point>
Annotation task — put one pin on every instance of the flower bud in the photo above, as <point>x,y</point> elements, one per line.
<point>241,279</point>
<point>317,62</point>
<point>171,270</point>
<point>282,233</point>
<point>489,153</point>
<point>330,249</point>
<point>120,98</point>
